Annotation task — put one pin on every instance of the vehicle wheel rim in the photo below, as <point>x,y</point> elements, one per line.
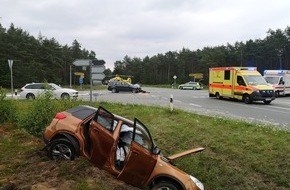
<point>61,151</point>
<point>247,99</point>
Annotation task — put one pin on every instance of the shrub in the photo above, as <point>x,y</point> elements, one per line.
<point>41,111</point>
<point>7,107</point>
<point>39,114</point>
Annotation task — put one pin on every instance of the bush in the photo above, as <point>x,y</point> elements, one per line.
<point>41,111</point>
<point>7,108</point>
<point>39,114</point>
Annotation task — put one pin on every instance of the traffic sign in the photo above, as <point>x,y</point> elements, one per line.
<point>82,62</point>
<point>10,63</point>
<point>81,81</point>
<point>196,75</point>
<point>98,76</point>
<point>98,68</point>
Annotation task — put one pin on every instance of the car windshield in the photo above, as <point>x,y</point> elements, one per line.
<point>255,80</point>
<point>272,80</point>
<point>54,86</point>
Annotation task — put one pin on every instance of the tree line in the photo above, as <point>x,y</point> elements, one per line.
<point>272,52</point>
<point>37,59</point>
<point>42,59</point>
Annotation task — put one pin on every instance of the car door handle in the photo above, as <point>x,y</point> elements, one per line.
<point>136,153</point>
<point>96,130</point>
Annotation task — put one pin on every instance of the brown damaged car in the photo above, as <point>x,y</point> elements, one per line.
<point>120,146</point>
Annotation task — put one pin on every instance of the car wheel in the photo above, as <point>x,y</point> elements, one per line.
<point>134,90</point>
<point>277,94</point>
<point>217,95</point>
<point>165,186</point>
<point>247,99</point>
<point>267,102</point>
<point>65,96</point>
<point>30,96</point>
<point>181,88</point>
<point>114,90</point>
<point>61,149</point>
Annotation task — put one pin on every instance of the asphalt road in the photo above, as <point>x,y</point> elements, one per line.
<point>198,101</point>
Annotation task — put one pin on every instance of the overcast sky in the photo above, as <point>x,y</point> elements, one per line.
<point>137,28</point>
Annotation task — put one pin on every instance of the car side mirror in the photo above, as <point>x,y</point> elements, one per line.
<point>156,150</point>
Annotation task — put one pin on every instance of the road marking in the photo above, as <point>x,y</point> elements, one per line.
<point>196,105</point>
<point>280,108</point>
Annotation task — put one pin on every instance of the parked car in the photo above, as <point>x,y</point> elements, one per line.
<point>190,85</point>
<point>32,90</point>
<point>120,146</point>
<point>117,86</point>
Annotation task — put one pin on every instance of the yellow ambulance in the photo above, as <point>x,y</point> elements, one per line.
<point>242,83</point>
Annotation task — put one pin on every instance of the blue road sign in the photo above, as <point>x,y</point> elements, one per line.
<point>81,81</point>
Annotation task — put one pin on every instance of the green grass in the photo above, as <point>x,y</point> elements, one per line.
<point>238,155</point>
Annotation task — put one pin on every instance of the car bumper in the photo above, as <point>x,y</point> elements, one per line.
<point>261,98</point>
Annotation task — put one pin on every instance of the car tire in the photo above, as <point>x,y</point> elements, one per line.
<point>65,96</point>
<point>181,88</point>
<point>217,95</point>
<point>114,90</point>
<point>61,149</point>
<point>134,90</point>
<point>163,185</point>
<point>267,102</point>
<point>30,96</point>
<point>247,99</point>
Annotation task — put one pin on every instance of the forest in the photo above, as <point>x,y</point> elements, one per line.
<point>42,59</point>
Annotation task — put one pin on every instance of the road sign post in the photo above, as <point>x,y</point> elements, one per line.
<point>174,77</point>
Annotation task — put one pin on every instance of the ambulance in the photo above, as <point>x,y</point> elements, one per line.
<point>280,79</point>
<point>241,83</point>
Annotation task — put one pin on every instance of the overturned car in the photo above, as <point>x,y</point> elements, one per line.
<point>120,146</point>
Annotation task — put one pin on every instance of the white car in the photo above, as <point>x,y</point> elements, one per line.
<point>190,85</point>
<point>32,90</point>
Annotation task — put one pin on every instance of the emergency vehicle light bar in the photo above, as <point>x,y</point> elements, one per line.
<point>248,68</point>
<point>274,72</point>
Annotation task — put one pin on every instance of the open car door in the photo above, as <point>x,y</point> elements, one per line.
<point>140,161</point>
<point>101,137</point>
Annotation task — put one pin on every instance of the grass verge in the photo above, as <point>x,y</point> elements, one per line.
<point>238,155</point>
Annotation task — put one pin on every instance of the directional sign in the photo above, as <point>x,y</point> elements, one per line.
<point>196,75</point>
<point>97,82</point>
<point>98,76</point>
<point>98,69</point>
<point>82,62</point>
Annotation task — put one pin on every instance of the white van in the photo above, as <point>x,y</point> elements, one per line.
<point>280,79</point>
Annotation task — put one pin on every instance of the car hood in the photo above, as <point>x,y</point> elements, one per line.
<point>187,152</point>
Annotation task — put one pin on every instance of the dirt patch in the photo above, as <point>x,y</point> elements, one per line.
<point>33,170</point>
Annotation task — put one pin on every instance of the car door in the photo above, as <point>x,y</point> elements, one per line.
<point>140,161</point>
<point>101,138</point>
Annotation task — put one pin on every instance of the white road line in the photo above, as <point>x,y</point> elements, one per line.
<point>280,108</point>
<point>196,105</point>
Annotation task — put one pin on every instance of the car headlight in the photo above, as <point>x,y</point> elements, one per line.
<point>197,183</point>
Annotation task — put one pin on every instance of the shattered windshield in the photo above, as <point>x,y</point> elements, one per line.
<point>272,80</point>
<point>255,80</point>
